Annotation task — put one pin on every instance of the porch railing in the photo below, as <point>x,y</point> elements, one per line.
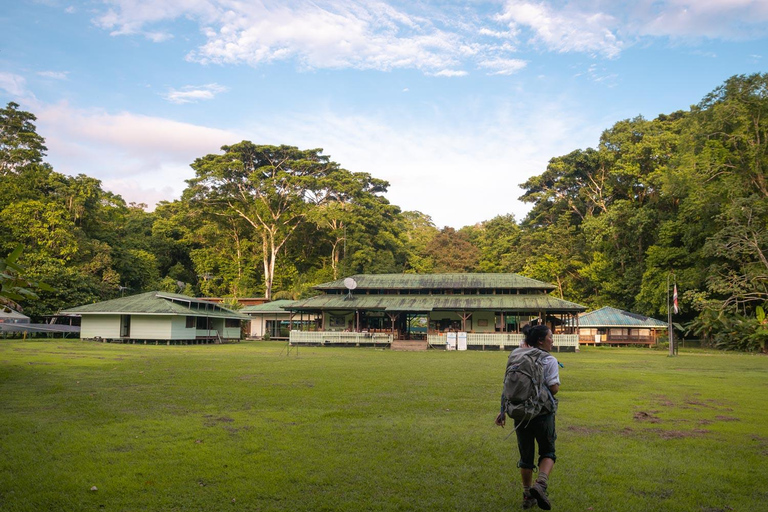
<point>504,340</point>
<point>500,340</point>
<point>338,337</point>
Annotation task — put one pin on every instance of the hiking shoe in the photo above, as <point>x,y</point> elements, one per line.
<point>539,492</point>
<point>528,501</point>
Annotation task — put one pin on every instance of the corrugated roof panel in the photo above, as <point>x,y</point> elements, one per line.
<point>276,306</point>
<point>527,303</point>
<point>612,317</point>
<point>441,281</point>
<point>157,303</point>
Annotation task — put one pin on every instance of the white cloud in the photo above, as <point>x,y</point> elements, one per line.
<point>719,19</point>
<point>56,75</point>
<point>485,31</point>
<point>462,171</point>
<point>143,158</point>
<point>12,84</point>
<point>193,94</point>
<point>373,34</point>
<point>158,37</point>
<point>329,35</point>
<point>567,29</point>
<point>450,73</point>
<point>503,66</point>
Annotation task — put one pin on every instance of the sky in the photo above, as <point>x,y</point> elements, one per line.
<point>454,103</point>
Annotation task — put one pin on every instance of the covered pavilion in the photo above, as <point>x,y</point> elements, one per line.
<point>419,306</point>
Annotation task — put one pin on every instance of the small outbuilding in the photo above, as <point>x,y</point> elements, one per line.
<point>611,326</point>
<point>158,317</point>
<point>273,320</point>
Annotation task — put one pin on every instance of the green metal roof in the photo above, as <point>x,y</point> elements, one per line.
<point>438,281</point>
<point>157,303</point>
<point>612,317</point>
<point>276,306</point>
<point>425,303</point>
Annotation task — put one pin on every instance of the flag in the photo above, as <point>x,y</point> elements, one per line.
<point>674,298</point>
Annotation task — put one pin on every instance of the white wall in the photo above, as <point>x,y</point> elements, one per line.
<point>150,327</point>
<point>100,326</point>
<point>257,325</point>
<point>489,318</point>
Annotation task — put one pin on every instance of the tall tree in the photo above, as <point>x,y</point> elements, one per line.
<point>20,144</point>
<point>452,251</point>
<point>269,187</point>
<point>344,202</point>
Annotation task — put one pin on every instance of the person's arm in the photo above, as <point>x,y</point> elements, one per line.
<point>501,418</point>
<point>552,375</point>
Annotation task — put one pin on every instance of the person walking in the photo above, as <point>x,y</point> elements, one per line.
<point>540,429</point>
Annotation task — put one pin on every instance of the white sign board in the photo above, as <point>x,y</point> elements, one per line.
<point>461,341</point>
<point>450,341</point>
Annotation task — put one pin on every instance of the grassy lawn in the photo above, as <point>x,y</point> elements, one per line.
<point>243,427</point>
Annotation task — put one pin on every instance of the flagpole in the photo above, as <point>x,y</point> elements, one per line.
<point>669,321</point>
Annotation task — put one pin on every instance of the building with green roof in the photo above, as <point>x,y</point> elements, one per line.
<point>158,316</point>
<point>612,326</point>
<point>409,306</point>
<point>272,320</point>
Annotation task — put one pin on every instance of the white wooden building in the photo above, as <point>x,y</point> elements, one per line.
<point>158,317</point>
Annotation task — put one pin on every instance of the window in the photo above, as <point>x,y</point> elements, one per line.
<point>231,322</point>
<point>190,322</point>
<point>203,322</point>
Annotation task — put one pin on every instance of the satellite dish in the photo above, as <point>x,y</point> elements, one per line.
<point>350,283</point>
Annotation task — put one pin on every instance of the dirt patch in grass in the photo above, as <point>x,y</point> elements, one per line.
<point>762,446</point>
<point>663,400</point>
<point>650,417</point>
<point>726,418</point>
<point>235,430</point>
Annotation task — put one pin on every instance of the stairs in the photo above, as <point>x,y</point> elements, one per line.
<point>409,345</point>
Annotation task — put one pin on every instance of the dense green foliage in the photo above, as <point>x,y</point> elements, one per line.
<point>243,427</point>
<point>682,198</point>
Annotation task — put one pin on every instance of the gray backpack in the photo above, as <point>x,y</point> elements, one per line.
<point>525,392</point>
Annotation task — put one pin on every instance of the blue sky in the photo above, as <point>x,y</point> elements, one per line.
<point>455,103</point>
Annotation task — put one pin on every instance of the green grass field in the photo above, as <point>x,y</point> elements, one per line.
<point>244,427</point>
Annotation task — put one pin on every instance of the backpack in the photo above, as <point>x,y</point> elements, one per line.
<point>525,392</point>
